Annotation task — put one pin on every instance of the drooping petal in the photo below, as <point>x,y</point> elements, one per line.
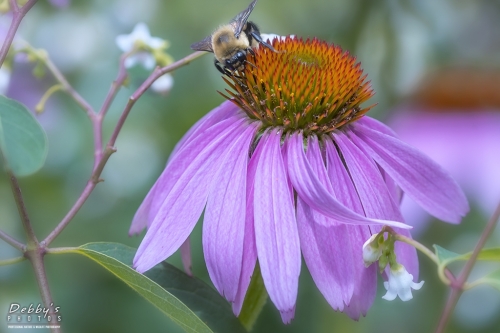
<point>407,254</point>
<point>314,193</point>
<point>224,222</point>
<point>249,246</point>
<point>375,198</point>
<point>276,232</point>
<point>419,177</point>
<point>365,278</point>
<point>188,180</point>
<point>157,194</point>
<point>326,250</point>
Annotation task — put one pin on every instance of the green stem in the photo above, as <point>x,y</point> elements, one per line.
<point>255,299</point>
<point>13,242</point>
<point>11,261</point>
<point>457,288</point>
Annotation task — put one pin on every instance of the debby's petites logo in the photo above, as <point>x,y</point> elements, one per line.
<point>33,316</point>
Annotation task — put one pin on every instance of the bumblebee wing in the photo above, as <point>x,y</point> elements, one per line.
<point>238,22</point>
<point>203,45</point>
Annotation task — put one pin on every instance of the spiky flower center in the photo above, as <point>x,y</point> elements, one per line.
<point>307,85</point>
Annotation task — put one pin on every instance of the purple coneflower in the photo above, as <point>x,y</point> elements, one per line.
<point>291,164</point>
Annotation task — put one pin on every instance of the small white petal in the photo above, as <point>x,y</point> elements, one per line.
<point>126,43</point>
<point>163,84</point>
<point>400,284</point>
<point>370,252</point>
<point>140,32</point>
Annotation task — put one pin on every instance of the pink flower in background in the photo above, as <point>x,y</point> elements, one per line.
<point>454,118</point>
<point>291,165</point>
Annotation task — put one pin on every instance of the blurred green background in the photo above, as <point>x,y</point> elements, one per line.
<point>398,44</point>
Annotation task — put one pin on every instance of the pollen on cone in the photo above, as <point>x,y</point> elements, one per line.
<point>309,85</point>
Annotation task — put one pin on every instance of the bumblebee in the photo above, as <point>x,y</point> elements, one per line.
<point>231,42</point>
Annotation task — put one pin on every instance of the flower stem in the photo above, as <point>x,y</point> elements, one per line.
<point>13,242</point>
<point>458,287</point>
<point>146,84</point>
<point>445,275</point>
<point>36,258</point>
<point>23,213</point>
<point>17,16</point>
<point>11,261</point>
<point>101,159</point>
<point>68,88</point>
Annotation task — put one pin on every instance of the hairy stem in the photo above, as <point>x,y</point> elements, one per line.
<point>458,287</point>
<point>17,16</point>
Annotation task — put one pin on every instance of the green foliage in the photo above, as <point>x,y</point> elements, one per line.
<point>23,142</point>
<point>255,300</point>
<point>188,301</point>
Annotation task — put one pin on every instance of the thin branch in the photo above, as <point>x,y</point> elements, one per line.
<point>72,212</point>
<point>36,258</point>
<point>11,261</point>
<point>448,277</point>
<point>13,242</point>
<point>17,16</point>
<point>457,288</point>
<point>109,150</point>
<point>23,213</point>
<point>115,86</point>
<point>69,89</point>
<point>145,85</point>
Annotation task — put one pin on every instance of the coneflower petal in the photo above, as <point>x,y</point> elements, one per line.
<point>224,223</point>
<point>324,248</point>
<point>187,181</point>
<point>419,177</point>
<point>365,279</point>
<point>276,234</point>
<point>250,250</point>
<point>372,190</point>
<point>314,193</point>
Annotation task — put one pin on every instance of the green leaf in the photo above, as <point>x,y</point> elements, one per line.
<point>255,300</point>
<point>445,255</point>
<point>23,142</point>
<point>492,254</point>
<point>188,301</point>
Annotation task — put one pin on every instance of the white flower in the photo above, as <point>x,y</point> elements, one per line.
<point>163,84</point>
<point>140,38</point>
<point>370,252</point>
<point>400,284</point>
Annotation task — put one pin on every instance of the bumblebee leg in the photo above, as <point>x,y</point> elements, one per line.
<point>219,67</point>
<point>222,69</point>
<point>259,39</point>
<point>253,32</point>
